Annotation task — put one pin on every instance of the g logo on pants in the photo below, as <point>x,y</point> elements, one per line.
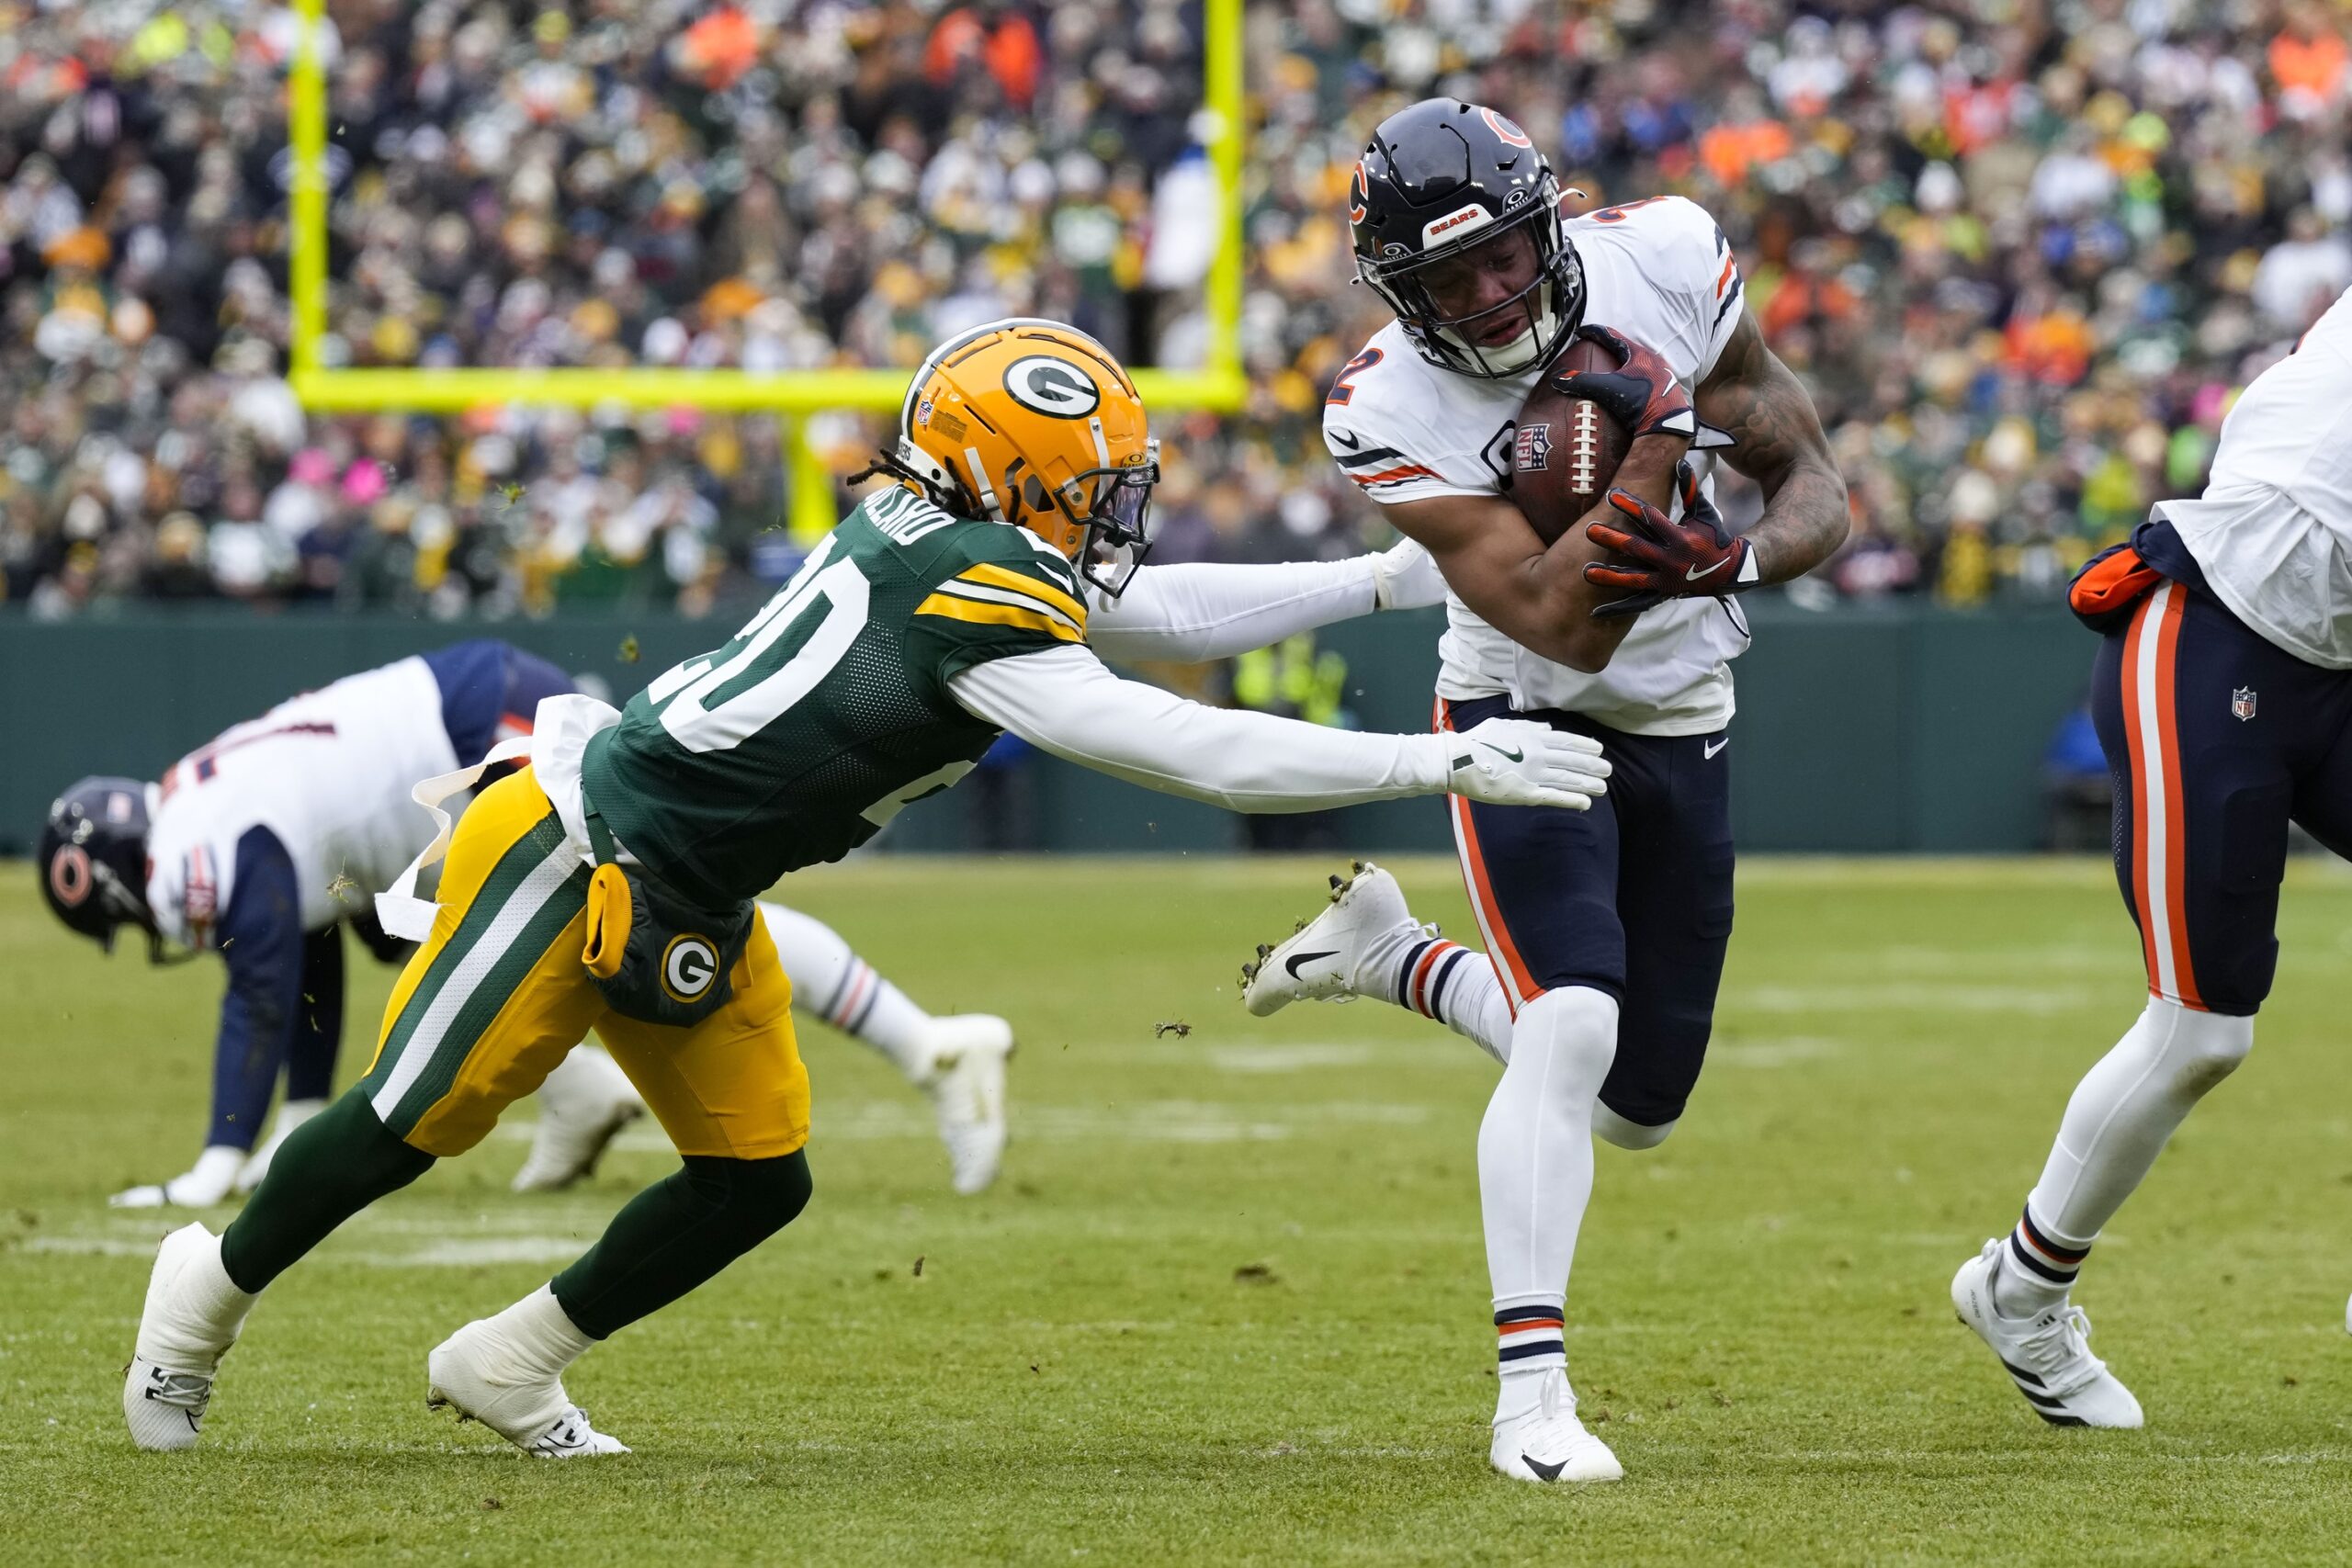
<point>689,966</point>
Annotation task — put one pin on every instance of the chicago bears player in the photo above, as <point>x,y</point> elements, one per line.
<point>260,847</point>
<point>2222,694</point>
<point>264,843</point>
<point>1605,931</point>
<point>610,885</point>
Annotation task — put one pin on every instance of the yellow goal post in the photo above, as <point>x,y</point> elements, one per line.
<point>1219,386</point>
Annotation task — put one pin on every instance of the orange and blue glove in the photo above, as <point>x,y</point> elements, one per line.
<point>1670,558</point>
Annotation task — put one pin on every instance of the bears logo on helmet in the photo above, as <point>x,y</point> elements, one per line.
<point>92,858</point>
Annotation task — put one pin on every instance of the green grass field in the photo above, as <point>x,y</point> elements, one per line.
<point>1227,1303</point>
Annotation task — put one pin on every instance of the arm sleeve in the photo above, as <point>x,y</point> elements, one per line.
<point>1195,613</point>
<point>1065,702</point>
<point>260,936</point>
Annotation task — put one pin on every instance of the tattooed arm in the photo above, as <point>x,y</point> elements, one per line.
<point>1778,442</point>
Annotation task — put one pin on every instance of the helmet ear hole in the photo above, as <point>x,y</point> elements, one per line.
<point>1035,495</point>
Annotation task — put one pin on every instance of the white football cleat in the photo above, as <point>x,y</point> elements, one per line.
<point>291,1114</point>
<point>583,1105</point>
<point>191,1317</point>
<point>476,1373</point>
<point>209,1181</point>
<point>965,1082</point>
<point>1338,955</point>
<point>2047,1355</point>
<point>1549,1444</point>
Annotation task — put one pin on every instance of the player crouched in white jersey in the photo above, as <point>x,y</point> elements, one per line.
<point>264,843</point>
<point>1605,931</point>
<point>2223,695</point>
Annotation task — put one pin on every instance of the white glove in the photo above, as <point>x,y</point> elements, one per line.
<point>1516,761</point>
<point>1405,577</point>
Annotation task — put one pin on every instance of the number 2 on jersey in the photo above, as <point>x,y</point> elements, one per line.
<point>714,701</point>
<point>1343,392</point>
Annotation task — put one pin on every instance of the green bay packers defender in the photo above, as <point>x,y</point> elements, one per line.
<point>609,885</point>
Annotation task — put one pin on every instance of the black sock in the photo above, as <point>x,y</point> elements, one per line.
<point>678,1232</point>
<point>327,1171</point>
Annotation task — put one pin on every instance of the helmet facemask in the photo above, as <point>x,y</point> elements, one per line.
<point>1551,302</point>
<point>1101,517</point>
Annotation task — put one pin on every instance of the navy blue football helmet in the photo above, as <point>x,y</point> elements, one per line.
<point>1441,179</point>
<point>92,859</point>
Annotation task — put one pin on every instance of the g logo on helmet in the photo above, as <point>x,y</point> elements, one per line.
<point>1055,388</point>
<point>689,966</point>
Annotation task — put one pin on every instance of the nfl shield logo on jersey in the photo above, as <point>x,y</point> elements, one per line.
<point>2242,702</point>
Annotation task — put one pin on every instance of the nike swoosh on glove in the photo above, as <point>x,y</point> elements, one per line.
<point>1516,761</point>
<point>1641,394</point>
<point>1691,555</point>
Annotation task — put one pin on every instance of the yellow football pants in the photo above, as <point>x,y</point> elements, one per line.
<point>491,1003</point>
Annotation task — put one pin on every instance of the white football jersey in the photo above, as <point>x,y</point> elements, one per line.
<point>329,772</point>
<point>1403,429</point>
<point>2273,531</point>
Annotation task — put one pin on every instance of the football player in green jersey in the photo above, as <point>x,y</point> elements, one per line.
<point>610,885</point>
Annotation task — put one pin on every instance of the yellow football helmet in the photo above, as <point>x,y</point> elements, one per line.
<point>1035,423</point>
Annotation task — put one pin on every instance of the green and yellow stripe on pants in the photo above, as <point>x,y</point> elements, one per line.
<point>496,996</point>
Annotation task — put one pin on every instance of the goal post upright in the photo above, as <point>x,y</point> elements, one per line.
<point>1219,385</point>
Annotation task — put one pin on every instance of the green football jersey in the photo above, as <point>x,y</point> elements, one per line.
<point>829,711</point>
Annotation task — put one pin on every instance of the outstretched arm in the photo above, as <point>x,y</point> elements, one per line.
<point>1065,702</point>
<point>1776,441</point>
<point>1197,612</point>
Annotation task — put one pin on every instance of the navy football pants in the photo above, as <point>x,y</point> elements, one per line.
<point>2216,740</point>
<point>1632,898</point>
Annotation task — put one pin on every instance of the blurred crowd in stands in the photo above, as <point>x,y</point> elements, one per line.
<point>2024,250</point>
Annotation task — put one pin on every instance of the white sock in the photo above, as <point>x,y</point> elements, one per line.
<point>292,1114</point>
<point>540,1334</point>
<point>1457,985</point>
<point>207,1313</point>
<point>1535,1177</point>
<point>209,1179</point>
<point>1475,1006</point>
<point>833,982</point>
<point>2118,1120</point>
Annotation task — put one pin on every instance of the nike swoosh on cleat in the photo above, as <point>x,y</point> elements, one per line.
<point>1516,756</point>
<point>1547,1471</point>
<point>1692,574</point>
<point>1296,958</point>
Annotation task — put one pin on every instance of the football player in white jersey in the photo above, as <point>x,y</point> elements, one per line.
<point>264,843</point>
<point>1599,992</point>
<point>2223,695</point>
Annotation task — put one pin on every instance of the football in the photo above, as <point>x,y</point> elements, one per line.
<point>1566,450</point>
